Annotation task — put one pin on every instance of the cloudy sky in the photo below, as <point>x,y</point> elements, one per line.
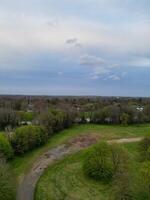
<point>75,47</point>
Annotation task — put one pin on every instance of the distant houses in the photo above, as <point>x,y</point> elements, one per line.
<point>140,108</point>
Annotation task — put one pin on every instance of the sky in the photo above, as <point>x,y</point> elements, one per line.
<point>75,47</point>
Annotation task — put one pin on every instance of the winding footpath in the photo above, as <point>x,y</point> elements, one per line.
<point>27,186</point>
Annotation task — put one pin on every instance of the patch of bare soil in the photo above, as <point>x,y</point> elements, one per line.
<point>83,141</point>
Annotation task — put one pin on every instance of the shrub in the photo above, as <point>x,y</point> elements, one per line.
<point>122,180</point>
<point>27,138</point>
<point>5,147</point>
<point>142,182</point>
<point>144,149</point>
<point>105,162</point>
<point>7,183</point>
<point>98,163</point>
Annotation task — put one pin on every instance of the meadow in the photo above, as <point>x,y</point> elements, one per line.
<point>22,164</point>
<point>65,179</point>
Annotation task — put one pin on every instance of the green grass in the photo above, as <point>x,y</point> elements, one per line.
<point>22,164</point>
<point>66,180</point>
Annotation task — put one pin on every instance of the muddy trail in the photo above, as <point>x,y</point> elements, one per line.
<point>28,184</point>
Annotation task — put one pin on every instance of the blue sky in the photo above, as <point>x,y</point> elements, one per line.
<point>82,47</point>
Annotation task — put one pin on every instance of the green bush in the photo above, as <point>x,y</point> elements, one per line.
<point>27,138</point>
<point>144,149</point>
<point>143,182</point>
<point>105,162</point>
<point>98,163</point>
<point>7,183</point>
<point>5,147</point>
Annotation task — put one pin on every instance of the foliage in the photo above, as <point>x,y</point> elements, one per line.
<point>8,117</point>
<point>124,118</point>
<point>27,138</point>
<point>7,183</point>
<point>110,162</point>
<point>25,116</point>
<point>142,186</point>
<point>55,120</point>
<point>145,176</point>
<point>144,149</point>
<point>98,163</point>
<point>5,147</point>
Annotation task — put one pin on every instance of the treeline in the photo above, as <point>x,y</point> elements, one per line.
<point>117,114</point>
<point>17,111</point>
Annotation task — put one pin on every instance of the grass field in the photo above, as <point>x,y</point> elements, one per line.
<point>66,180</point>
<point>21,165</point>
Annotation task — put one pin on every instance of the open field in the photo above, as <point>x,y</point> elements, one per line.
<point>66,180</point>
<point>21,165</point>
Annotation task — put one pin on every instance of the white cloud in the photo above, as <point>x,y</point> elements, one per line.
<point>90,60</point>
<point>114,77</point>
<point>140,62</point>
<point>98,65</point>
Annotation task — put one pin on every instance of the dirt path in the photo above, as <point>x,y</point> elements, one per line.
<point>27,186</point>
<point>125,140</point>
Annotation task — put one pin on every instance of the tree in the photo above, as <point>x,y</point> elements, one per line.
<point>27,138</point>
<point>5,147</point>
<point>8,117</point>
<point>125,119</point>
<point>25,116</point>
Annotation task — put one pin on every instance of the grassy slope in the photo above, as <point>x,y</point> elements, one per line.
<point>66,180</point>
<point>21,165</point>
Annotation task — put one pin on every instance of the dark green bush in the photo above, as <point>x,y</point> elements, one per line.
<point>27,138</point>
<point>144,149</point>
<point>105,162</point>
<point>98,163</point>
<point>5,147</point>
<point>7,183</point>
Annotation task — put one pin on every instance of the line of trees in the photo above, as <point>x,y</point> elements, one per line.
<point>15,111</point>
<point>116,114</point>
